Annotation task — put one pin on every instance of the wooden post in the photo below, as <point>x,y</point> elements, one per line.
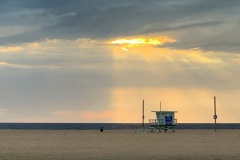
<point>215,114</point>
<point>143,114</point>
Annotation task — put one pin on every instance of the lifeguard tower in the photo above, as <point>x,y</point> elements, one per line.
<point>165,120</point>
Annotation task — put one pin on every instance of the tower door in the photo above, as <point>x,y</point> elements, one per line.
<point>168,120</point>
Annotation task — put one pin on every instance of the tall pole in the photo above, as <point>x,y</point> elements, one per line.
<point>143,114</point>
<point>215,114</point>
<point>160,106</point>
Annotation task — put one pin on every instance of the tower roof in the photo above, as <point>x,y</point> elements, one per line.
<point>166,111</point>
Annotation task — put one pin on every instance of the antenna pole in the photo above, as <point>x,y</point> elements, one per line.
<point>215,114</point>
<point>143,114</point>
<point>160,106</point>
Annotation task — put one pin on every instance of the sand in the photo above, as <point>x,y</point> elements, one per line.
<point>119,144</point>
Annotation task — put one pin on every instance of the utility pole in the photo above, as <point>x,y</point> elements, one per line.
<point>143,114</point>
<point>215,114</point>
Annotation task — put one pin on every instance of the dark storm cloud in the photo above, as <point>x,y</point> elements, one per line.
<point>112,18</point>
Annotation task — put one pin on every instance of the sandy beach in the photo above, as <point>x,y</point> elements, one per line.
<point>119,144</point>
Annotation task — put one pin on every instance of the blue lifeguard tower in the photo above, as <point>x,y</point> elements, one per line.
<point>165,120</point>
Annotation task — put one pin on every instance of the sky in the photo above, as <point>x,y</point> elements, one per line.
<point>96,60</point>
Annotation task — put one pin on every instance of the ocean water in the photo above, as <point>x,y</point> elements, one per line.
<point>109,126</point>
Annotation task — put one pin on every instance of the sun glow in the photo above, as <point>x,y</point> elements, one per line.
<point>10,49</point>
<point>141,41</point>
<point>149,48</point>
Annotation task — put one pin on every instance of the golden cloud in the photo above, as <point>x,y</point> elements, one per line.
<point>10,49</point>
<point>143,41</point>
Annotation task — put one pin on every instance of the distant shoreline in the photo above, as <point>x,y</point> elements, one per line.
<point>109,126</point>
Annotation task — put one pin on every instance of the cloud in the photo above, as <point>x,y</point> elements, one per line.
<point>8,65</point>
<point>81,54</point>
<point>56,58</point>
<point>3,111</point>
<point>86,116</point>
<point>10,49</point>
<point>201,24</point>
<point>142,41</point>
<point>164,67</point>
<point>4,64</point>
<point>55,74</point>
